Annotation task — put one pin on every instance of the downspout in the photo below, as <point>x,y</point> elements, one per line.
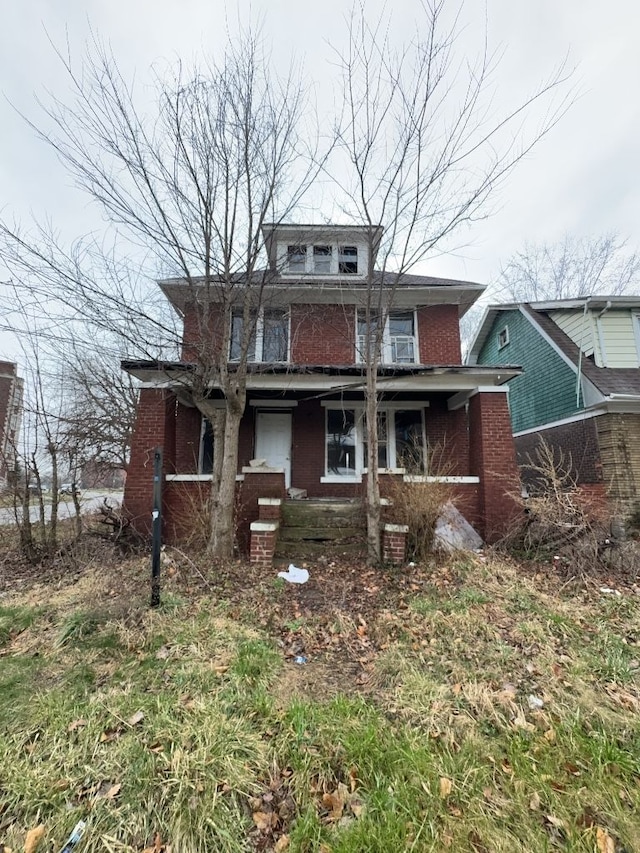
<point>600,335</point>
<point>579,375</point>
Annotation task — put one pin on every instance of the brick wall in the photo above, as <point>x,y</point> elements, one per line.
<point>447,438</point>
<point>197,334</point>
<point>492,458</point>
<point>322,334</point>
<point>577,442</point>
<point>154,427</point>
<point>439,334</point>
<point>254,486</point>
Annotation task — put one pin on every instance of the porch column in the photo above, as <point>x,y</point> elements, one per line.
<point>154,427</point>
<point>492,458</point>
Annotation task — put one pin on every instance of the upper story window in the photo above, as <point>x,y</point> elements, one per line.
<point>296,258</point>
<point>348,260</point>
<point>322,259</point>
<point>398,340</point>
<point>269,339</point>
<point>503,337</point>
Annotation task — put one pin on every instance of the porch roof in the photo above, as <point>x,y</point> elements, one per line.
<point>287,377</point>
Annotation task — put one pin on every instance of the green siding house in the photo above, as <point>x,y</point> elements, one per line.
<point>580,385</point>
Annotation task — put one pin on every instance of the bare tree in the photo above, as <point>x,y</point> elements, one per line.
<point>575,266</point>
<point>192,183</point>
<point>422,154</point>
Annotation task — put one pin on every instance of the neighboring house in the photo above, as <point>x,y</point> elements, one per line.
<point>305,405</point>
<point>580,389</point>
<point>11,391</point>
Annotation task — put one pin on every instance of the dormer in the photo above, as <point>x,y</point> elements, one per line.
<point>322,251</point>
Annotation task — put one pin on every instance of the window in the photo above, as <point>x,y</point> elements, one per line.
<point>348,260</point>
<point>341,442</point>
<point>322,257</point>
<point>400,441</point>
<point>206,447</point>
<point>398,343</point>
<point>296,258</point>
<point>503,337</point>
<point>269,339</point>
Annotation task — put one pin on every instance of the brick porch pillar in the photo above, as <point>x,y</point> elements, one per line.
<point>263,543</point>
<point>154,427</point>
<point>492,458</point>
<point>394,543</point>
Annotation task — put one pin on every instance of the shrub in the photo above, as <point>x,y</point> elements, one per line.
<point>418,505</point>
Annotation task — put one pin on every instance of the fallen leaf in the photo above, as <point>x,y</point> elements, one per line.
<point>445,787</point>
<point>555,821</point>
<point>33,839</point>
<point>282,843</point>
<point>136,718</point>
<point>113,791</point>
<point>356,807</point>
<point>605,842</point>
<point>110,734</point>
<point>550,735</point>
<point>571,768</point>
<point>264,820</point>
<point>534,802</point>
<point>162,653</point>
<point>76,724</point>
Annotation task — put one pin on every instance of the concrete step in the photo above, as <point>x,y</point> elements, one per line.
<point>321,513</point>
<point>331,534</point>
<point>296,552</point>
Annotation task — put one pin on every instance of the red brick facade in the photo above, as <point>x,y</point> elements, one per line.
<point>439,335</point>
<point>493,460</point>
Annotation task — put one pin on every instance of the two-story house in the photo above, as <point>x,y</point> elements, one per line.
<point>305,405</point>
<point>580,389</point>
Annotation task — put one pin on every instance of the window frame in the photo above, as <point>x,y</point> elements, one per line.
<point>346,255</point>
<point>259,337</point>
<point>297,250</point>
<point>387,343</point>
<point>359,411</point>
<point>503,331</point>
<point>322,254</point>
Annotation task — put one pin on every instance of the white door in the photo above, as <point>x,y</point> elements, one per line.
<point>273,441</point>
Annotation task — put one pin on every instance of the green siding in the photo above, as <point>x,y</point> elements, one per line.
<point>546,391</point>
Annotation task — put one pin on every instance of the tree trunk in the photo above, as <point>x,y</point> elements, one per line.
<point>218,424</point>
<point>374,555</point>
<point>223,522</point>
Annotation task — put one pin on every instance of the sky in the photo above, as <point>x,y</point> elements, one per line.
<point>582,178</point>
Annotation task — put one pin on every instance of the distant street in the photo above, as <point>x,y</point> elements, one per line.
<point>90,501</point>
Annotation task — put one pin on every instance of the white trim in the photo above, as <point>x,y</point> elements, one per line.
<point>396,528</point>
<point>420,478</point>
<point>335,479</point>
<point>504,329</point>
<point>269,501</point>
<point>195,478</point>
<point>264,526</point>
<point>274,404</point>
<point>489,389</point>
<point>551,424</point>
<point>386,470</point>
<point>262,469</point>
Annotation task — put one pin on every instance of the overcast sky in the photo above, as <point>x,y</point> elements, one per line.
<point>583,178</point>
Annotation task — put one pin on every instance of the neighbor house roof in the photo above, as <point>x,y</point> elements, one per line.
<point>610,381</point>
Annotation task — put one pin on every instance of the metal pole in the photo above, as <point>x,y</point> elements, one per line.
<point>156,527</point>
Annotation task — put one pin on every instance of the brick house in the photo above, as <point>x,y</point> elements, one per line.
<point>580,389</point>
<point>11,391</point>
<point>305,404</point>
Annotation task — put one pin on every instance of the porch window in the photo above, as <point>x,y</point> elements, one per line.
<point>269,341</point>
<point>348,260</point>
<point>398,342</point>
<point>296,258</point>
<point>205,465</point>
<point>341,442</point>
<point>401,442</point>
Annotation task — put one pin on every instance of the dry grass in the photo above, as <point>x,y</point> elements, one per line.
<point>410,727</point>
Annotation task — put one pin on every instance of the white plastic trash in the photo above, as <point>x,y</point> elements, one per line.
<point>294,574</point>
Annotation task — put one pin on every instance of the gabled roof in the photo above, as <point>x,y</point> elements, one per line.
<point>609,381</point>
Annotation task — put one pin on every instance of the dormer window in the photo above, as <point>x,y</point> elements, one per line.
<point>296,258</point>
<point>503,337</point>
<point>348,260</point>
<point>322,259</point>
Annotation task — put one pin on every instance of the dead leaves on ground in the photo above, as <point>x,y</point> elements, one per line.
<point>33,838</point>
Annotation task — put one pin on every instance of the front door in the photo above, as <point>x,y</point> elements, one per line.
<point>273,441</point>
